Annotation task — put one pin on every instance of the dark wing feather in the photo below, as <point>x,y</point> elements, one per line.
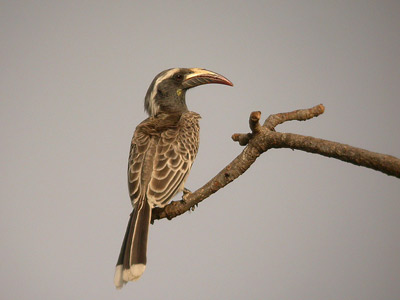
<point>174,156</point>
<point>139,147</point>
<point>172,163</point>
<point>162,153</point>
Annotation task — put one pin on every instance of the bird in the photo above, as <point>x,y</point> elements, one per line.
<point>162,152</point>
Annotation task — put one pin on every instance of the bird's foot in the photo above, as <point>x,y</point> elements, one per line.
<point>194,206</point>
<point>186,193</point>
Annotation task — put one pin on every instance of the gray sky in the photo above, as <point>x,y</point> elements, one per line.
<point>73,76</point>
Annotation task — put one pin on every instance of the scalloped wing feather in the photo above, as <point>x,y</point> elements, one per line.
<point>172,144</point>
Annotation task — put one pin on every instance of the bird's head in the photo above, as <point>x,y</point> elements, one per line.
<point>167,91</point>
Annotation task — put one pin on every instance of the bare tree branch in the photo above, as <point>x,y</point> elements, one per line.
<point>299,115</point>
<point>261,139</point>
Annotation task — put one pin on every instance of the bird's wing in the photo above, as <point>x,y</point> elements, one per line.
<point>161,155</point>
<point>173,159</point>
<point>140,145</point>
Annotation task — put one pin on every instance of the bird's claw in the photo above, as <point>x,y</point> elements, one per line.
<point>193,207</point>
<point>186,193</point>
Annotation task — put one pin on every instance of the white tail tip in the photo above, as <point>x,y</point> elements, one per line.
<point>122,276</point>
<point>118,280</point>
<point>134,272</point>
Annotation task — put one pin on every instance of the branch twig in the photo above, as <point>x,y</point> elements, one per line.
<point>261,139</point>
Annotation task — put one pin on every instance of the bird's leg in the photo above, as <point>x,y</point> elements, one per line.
<point>186,193</point>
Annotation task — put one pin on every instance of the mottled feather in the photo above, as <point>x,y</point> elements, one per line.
<point>162,152</point>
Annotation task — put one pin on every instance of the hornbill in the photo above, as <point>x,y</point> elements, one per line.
<point>162,152</point>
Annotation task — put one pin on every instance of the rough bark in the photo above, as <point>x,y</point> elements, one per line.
<point>264,137</point>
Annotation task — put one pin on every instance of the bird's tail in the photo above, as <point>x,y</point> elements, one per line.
<point>132,258</point>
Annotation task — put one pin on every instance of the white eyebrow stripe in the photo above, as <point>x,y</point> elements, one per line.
<point>168,74</point>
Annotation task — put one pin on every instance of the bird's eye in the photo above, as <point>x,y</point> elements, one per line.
<point>179,76</point>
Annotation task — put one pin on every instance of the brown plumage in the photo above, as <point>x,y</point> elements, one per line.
<point>162,152</point>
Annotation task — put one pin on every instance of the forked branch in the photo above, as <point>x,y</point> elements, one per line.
<point>264,137</point>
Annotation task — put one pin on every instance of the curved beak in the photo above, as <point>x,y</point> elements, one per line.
<point>201,76</point>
